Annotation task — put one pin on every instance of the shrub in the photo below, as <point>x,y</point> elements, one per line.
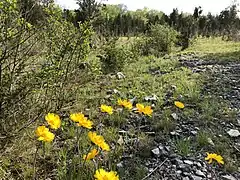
<point>114,56</point>
<point>158,41</point>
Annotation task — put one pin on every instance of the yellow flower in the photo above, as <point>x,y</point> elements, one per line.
<point>98,140</point>
<point>211,156</point>
<point>53,120</point>
<point>44,134</point>
<point>85,123</point>
<point>107,109</point>
<point>179,104</point>
<point>104,146</point>
<point>148,110</point>
<point>140,108</point>
<point>145,110</point>
<point>101,174</point>
<point>76,117</point>
<point>91,155</point>
<point>125,103</point>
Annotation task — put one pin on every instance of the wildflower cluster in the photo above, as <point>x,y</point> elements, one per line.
<point>81,120</point>
<point>147,110</point>
<point>43,132</point>
<point>99,141</point>
<point>125,103</point>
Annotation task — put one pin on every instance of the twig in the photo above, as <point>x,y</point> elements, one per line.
<point>34,163</point>
<point>154,170</point>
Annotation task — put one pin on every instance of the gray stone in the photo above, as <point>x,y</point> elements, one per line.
<point>196,177</point>
<point>156,151</point>
<point>210,141</point>
<point>185,178</point>
<point>186,174</point>
<point>116,91</point>
<point>179,172</point>
<point>188,162</point>
<point>183,167</point>
<point>174,116</point>
<point>233,133</point>
<point>238,121</point>
<point>194,133</point>
<point>198,164</point>
<point>151,98</point>
<point>120,75</point>
<point>200,173</point>
<point>178,161</point>
<point>120,165</point>
<point>174,133</point>
<point>228,177</point>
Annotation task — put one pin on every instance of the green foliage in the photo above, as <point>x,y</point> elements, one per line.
<point>202,139</point>
<point>159,40</point>
<point>183,146</point>
<point>37,64</point>
<point>114,57</point>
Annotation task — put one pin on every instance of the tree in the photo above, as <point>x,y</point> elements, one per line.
<point>88,9</point>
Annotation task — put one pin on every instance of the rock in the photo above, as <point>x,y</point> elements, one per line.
<point>210,141</point>
<point>228,177</point>
<point>185,178</point>
<point>179,172</point>
<point>174,133</point>
<point>120,165</point>
<point>184,167</point>
<point>116,91</point>
<point>194,133</point>
<point>175,116</point>
<point>238,121</point>
<point>200,173</point>
<point>133,100</point>
<point>196,177</point>
<point>162,150</point>
<point>233,133</point>
<point>151,98</point>
<point>188,162</point>
<point>120,75</point>
<point>198,164</point>
<point>186,174</point>
<point>156,152</point>
<point>120,141</point>
<point>178,162</point>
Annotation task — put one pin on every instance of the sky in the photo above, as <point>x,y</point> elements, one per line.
<point>213,6</point>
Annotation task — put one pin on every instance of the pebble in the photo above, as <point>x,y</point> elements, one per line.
<point>200,173</point>
<point>228,177</point>
<point>233,133</point>
<point>196,177</point>
<point>156,151</point>
<point>188,162</point>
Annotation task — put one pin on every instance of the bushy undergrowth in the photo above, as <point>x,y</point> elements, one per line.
<point>37,64</point>
<point>114,56</point>
<point>158,41</point>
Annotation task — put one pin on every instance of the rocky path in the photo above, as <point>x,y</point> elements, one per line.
<point>222,80</point>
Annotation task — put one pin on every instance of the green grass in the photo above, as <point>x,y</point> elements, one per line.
<point>216,49</point>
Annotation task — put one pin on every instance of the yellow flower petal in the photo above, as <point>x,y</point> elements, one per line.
<point>179,104</point>
<point>53,120</point>
<point>101,174</point>
<point>91,154</point>
<point>106,109</point>
<point>98,140</point>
